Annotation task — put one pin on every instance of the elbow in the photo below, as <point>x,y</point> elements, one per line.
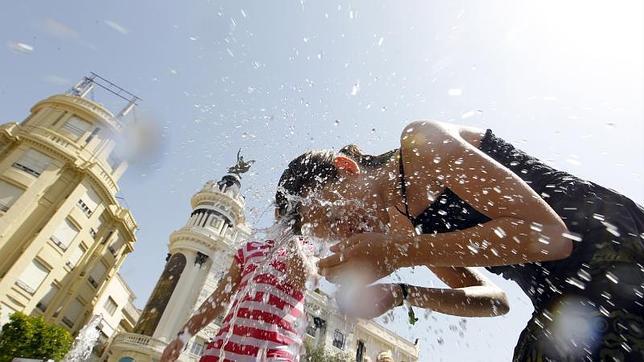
<point>500,304</point>
<point>557,247</point>
<point>560,246</point>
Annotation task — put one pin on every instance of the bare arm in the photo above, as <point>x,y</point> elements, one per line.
<point>523,226</point>
<point>472,295</point>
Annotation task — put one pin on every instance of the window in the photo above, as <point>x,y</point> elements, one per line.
<point>338,339</point>
<point>76,255</point>
<point>314,324</point>
<point>33,162</point>
<point>51,293</point>
<point>32,276</point>
<point>8,195</point>
<point>76,127</point>
<point>72,313</point>
<point>361,351</point>
<point>94,230</point>
<point>116,245</point>
<point>110,305</point>
<point>196,348</point>
<point>97,274</point>
<point>64,234</point>
<point>92,135</point>
<point>89,202</point>
<point>101,344</point>
<point>114,160</point>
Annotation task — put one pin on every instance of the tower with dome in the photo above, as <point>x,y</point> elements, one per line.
<point>198,255</point>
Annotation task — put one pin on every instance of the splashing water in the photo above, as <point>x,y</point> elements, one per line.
<point>283,237</point>
<point>85,341</point>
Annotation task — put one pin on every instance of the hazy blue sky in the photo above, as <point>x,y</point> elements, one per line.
<point>560,79</point>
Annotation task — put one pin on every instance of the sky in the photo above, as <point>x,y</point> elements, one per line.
<point>560,80</point>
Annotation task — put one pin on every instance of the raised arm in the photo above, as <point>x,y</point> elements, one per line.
<point>212,307</point>
<point>523,226</point>
<point>470,295</point>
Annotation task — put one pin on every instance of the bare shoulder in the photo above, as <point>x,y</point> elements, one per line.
<point>439,135</point>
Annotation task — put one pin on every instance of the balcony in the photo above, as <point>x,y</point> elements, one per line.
<point>137,342</point>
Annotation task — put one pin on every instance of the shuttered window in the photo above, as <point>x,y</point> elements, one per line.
<point>76,127</point>
<point>64,234</point>
<point>49,296</point>
<point>116,245</point>
<point>110,305</point>
<point>76,255</point>
<point>97,274</point>
<point>8,195</point>
<point>33,276</point>
<point>89,202</point>
<point>72,313</point>
<point>33,162</point>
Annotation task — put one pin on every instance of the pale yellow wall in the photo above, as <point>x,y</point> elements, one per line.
<point>51,197</point>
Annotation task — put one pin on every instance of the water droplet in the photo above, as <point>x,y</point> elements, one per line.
<point>612,277</point>
<point>578,283</point>
<point>355,89</point>
<point>572,236</point>
<point>584,275</point>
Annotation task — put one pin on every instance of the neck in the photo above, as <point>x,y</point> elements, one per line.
<point>386,182</point>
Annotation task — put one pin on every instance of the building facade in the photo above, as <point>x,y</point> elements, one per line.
<point>119,315</point>
<point>63,233</point>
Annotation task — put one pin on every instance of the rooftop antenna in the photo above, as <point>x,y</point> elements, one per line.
<point>87,84</point>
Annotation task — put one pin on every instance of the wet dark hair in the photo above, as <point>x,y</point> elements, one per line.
<point>311,171</point>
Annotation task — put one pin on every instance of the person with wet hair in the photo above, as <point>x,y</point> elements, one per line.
<point>454,197</point>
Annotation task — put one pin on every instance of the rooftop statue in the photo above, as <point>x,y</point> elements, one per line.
<point>241,166</point>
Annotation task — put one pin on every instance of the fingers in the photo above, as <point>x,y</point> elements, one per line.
<point>331,261</point>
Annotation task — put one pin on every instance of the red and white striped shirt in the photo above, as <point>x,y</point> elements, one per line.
<point>266,321</point>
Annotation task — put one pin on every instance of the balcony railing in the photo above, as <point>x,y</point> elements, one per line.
<point>138,340</point>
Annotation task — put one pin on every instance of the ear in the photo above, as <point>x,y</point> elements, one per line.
<point>344,163</point>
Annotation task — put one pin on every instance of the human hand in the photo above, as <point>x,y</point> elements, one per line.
<point>370,302</point>
<point>371,255</point>
<point>172,350</point>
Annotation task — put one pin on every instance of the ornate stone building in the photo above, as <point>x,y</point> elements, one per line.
<point>63,232</point>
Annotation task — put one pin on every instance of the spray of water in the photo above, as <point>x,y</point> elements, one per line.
<point>85,341</point>
<point>283,239</point>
